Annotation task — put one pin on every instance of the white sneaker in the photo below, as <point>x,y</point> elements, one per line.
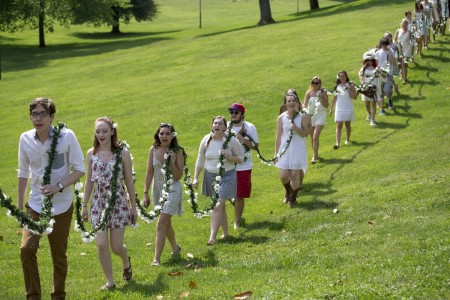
<point>368,118</point>
<point>372,123</point>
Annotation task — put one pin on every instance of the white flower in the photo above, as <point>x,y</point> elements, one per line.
<point>163,171</point>
<point>219,165</point>
<point>216,188</point>
<point>188,181</point>
<point>76,227</point>
<point>81,195</point>
<point>109,194</point>
<point>51,222</point>
<point>158,207</point>
<point>135,225</point>
<point>78,186</point>
<point>9,213</point>
<point>115,125</point>
<point>48,230</point>
<point>218,178</point>
<point>174,134</point>
<point>166,155</point>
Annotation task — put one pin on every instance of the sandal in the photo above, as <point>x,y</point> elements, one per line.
<point>107,287</point>
<point>335,146</point>
<point>177,251</point>
<point>313,161</point>
<point>128,272</point>
<point>210,242</point>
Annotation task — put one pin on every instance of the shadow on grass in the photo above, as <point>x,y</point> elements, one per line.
<point>147,290</point>
<point>12,55</point>
<point>316,204</point>
<point>343,6</point>
<point>177,262</point>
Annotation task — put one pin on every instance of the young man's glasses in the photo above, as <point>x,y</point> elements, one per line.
<point>42,114</point>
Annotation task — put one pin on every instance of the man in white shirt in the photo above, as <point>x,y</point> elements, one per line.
<point>385,58</point>
<point>67,167</point>
<point>248,137</point>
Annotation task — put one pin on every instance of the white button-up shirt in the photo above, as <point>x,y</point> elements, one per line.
<point>33,158</point>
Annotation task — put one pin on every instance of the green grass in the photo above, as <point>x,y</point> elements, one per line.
<point>388,240</point>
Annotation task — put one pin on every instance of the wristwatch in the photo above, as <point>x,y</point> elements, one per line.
<point>61,186</point>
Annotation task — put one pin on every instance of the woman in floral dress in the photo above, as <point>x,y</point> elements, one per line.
<point>165,148</point>
<point>101,161</point>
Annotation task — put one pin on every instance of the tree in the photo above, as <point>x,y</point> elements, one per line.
<point>266,14</point>
<point>313,4</point>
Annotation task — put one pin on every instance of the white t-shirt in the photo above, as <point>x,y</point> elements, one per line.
<point>250,131</point>
<point>381,56</point>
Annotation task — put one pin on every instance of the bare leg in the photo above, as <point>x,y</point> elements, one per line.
<point>315,141</point>
<point>216,219</point>
<point>338,133</point>
<point>348,131</point>
<point>238,211</point>
<point>164,229</point>
<point>104,256</point>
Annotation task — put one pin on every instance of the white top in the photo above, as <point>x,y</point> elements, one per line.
<point>381,56</point>
<point>211,154</point>
<point>33,158</point>
<point>250,131</point>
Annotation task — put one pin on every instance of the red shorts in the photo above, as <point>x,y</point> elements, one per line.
<point>244,184</point>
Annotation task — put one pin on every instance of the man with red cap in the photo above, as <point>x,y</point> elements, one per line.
<point>248,137</point>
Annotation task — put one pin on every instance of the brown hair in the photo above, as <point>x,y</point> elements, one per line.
<point>114,140</point>
<point>46,103</point>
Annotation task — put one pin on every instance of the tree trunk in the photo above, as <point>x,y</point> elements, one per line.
<point>313,4</point>
<point>116,16</point>
<point>41,23</point>
<point>266,14</point>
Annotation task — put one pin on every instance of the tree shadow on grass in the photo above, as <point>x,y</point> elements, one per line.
<point>316,204</point>
<point>146,290</point>
<point>13,55</point>
<point>273,226</point>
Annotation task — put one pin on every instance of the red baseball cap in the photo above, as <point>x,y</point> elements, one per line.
<point>237,106</point>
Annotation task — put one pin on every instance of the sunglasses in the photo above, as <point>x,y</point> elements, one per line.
<point>234,112</point>
<point>315,82</point>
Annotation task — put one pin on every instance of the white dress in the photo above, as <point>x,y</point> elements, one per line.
<point>404,40</point>
<point>296,155</point>
<point>320,114</point>
<point>344,106</point>
<point>174,204</point>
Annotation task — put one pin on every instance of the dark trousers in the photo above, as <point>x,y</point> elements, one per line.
<point>58,241</point>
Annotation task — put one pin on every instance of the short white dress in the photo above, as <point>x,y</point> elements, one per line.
<point>320,113</point>
<point>344,105</point>
<point>404,40</point>
<point>296,155</point>
<point>174,203</point>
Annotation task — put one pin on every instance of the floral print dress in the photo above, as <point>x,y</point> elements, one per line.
<point>101,176</point>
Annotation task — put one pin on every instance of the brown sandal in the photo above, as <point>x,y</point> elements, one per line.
<point>128,272</point>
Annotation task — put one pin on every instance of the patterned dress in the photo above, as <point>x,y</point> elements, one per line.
<point>174,203</point>
<point>101,176</point>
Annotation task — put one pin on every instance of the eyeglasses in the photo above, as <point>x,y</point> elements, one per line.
<point>234,112</point>
<point>315,82</point>
<point>35,115</point>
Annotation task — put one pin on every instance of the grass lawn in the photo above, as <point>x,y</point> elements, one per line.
<point>390,236</point>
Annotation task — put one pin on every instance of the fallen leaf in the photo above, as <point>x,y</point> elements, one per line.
<point>370,223</point>
<point>148,244</point>
<point>185,295</point>
<point>82,253</point>
<point>175,273</point>
<point>192,284</point>
<point>159,297</point>
<point>1,238</point>
<point>190,255</point>
<point>243,295</point>
<point>335,210</point>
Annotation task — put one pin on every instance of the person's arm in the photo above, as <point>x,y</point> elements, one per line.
<point>129,183</point>
<point>88,184</point>
<point>324,98</point>
<point>305,127</point>
<point>333,104</point>
<point>21,191</point>
<point>396,36</point>
<point>148,177</point>
<point>306,100</point>
<point>352,91</point>
<point>199,164</point>
<point>279,134</point>
<point>236,155</point>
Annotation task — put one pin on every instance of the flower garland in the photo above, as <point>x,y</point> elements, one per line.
<point>188,184</point>
<point>45,224</point>
<point>271,161</point>
<point>221,170</point>
<point>89,236</point>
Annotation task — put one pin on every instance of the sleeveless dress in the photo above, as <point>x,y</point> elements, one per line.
<point>101,176</point>
<point>368,73</point>
<point>320,115</point>
<point>174,203</point>
<point>296,155</point>
<point>404,40</point>
<point>344,106</point>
